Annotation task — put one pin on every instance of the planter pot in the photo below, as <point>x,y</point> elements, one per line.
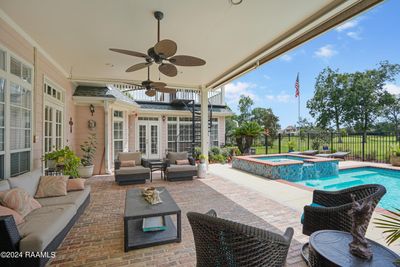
<point>395,160</point>
<point>202,170</point>
<point>85,171</point>
<point>51,164</point>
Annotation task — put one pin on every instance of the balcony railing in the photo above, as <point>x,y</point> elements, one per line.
<point>215,97</point>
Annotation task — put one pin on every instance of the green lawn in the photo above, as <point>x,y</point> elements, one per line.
<point>377,148</point>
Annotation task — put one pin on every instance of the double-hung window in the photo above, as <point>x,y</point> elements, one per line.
<point>15,115</point>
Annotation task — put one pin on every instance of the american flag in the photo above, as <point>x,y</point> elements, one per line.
<point>297,86</point>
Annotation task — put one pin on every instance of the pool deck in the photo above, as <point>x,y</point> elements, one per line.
<point>294,196</point>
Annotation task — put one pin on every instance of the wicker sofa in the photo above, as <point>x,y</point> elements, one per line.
<point>43,229</point>
<point>131,175</point>
<point>175,172</point>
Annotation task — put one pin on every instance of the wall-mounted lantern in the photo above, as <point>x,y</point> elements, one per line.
<point>91,109</point>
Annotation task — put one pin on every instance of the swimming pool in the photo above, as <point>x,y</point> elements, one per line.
<point>359,176</point>
<point>281,158</point>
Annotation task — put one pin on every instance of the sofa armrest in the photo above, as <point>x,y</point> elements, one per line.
<point>167,163</point>
<point>145,163</point>
<point>191,161</point>
<point>9,234</point>
<point>117,164</point>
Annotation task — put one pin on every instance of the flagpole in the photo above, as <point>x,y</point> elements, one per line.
<point>298,122</point>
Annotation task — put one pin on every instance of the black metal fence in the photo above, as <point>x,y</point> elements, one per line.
<point>374,147</point>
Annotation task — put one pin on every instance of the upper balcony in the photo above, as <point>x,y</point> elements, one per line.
<point>215,97</point>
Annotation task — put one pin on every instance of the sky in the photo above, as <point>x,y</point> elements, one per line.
<point>355,45</point>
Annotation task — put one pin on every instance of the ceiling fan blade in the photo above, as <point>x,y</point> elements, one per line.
<point>151,92</point>
<point>166,90</point>
<point>187,61</point>
<point>138,66</point>
<point>168,69</point>
<point>158,85</point>
<point>129,52</point>
<point>165,47</point>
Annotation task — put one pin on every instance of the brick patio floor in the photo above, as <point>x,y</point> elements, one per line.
<point>97,237</point>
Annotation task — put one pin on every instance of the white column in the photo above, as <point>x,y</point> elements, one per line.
<point>204,121</point>
<point>106,137</point>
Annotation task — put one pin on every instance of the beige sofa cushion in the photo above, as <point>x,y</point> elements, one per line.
<point>42,225</point>
<point>76,197</point>
<point>4,185</point>
<point>181,168</point>
<point>126,156</point>
<point>28,181</point>
<point>132,170</point>
<point>174,156</point>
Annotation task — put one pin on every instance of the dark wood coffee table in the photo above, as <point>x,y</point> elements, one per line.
<point>331,248</point>
<point>136,208</point>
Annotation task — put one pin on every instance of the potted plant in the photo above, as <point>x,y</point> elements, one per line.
<point>65,160</point>
<point>290,145</point>
<point>395,155</point>
<point>202,167</point>
<point>89,149</point>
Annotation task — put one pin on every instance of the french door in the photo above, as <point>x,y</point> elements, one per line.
<point>53,127</point>
<point>148,141</point>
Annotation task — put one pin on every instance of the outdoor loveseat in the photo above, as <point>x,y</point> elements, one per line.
<point>34,241</point>
<point>179,166</point>
<point>130,168</point>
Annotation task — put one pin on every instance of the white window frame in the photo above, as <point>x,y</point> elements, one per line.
<point>118,119</point>
<point>214,125</point>
<point>12,78</point>
<point>55,103</point>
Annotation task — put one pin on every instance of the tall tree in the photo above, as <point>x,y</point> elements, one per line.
<point>327,105</point>
<point>366,97</point>
<point>267,120</point>
<point>392,113</point>
<point>245,104</point>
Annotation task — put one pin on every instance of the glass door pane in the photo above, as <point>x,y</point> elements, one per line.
<point>154,139</point>
<point>142,139</point>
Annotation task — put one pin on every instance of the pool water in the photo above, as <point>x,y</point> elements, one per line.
<point>359,176</point>
<point>280,158</point>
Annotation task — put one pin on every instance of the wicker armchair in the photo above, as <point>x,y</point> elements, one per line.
<point>221,242</point>
<point>331,211</point>
<point>336,204</point>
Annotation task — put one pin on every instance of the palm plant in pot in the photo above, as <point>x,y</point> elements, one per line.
<point>88,149</point>
<point>390,223</point>
<point>395,155</point>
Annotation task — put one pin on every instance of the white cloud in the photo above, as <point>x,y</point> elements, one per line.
<point>282,97</point>
<point>286,57</point>
<point>266,77</point>
<point>234,90</point>
<point>347,25</point>
<point>354,35</point>
<point>326,51</point>
<point>392,88</point>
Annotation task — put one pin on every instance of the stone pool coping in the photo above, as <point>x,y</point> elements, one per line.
<point>309,159</point>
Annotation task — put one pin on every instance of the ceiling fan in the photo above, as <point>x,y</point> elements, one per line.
<point>163,54</point>
<point>151,87</point>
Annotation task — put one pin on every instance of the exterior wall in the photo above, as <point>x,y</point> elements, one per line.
<point>10,39</point>
<point>81,133</point>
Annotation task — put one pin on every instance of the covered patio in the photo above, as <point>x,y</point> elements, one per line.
<point>75,86</point>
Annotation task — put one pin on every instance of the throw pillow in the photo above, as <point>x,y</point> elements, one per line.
<point>19,200</point>
<point>7,211</point>
<point>182,162</point>
<point>52,186</point>
<point>75,184</point>
<point>128,163</point>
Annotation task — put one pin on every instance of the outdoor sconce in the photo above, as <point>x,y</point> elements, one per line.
<point>164,117</point>
<point>91,109</point>
<point>70,124</point>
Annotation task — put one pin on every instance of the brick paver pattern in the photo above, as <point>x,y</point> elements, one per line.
<point>97,237</point>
